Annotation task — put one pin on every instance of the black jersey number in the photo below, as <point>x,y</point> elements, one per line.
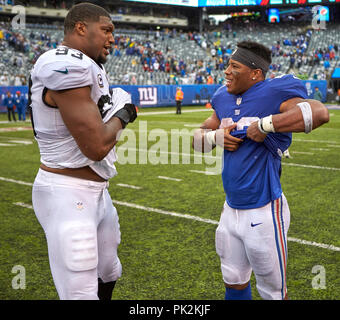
<point>101,102</point>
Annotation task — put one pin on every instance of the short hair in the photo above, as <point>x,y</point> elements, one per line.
<point>257,48</point>
<point>86,11</point>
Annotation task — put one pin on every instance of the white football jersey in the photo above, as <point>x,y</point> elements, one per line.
<point>66,68</point>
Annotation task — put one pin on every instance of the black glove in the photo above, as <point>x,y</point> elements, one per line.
<point>127,114</point>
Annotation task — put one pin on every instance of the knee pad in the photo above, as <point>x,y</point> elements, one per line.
<point>79,245</point>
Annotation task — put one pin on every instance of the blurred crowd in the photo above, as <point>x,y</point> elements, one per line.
<point>154,55</point>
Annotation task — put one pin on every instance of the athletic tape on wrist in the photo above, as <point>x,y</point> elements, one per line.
<point>211,137</point>
<point>307,115</point>
<point>266,125</point>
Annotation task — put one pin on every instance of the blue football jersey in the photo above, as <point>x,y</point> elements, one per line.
<point>251,174</point>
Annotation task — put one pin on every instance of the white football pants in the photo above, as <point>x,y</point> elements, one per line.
<point>255,240</point>
<point>82,230</point>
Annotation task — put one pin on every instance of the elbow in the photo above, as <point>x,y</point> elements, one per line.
<point>321,113</point>
<point>325,116</point>
<point>97,153</point>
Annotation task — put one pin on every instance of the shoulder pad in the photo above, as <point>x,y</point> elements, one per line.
<point>64,68</point>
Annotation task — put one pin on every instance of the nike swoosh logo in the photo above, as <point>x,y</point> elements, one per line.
<point>62,71</point>
<point>255,224</point>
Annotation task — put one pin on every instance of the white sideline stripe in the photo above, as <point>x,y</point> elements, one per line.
<point>208,173</point>
<point>319,149</point>
<point>301,152</point>
<point>128,186</point>
<point>315,244</point>
<point>309,166</point>
<point>199,155</point>
<point>317,141</point>
<point>195,218</point>
<point>21,141</point>
<point>192,125</point>
<point>169,178</point>
<point>171,112</point>
<point>16,181</point>
<point>24,205</point>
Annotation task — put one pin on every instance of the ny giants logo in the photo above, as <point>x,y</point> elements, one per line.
<point>147,96</point>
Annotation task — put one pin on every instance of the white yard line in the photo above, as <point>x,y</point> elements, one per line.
<point>199,155</point>
<point>319,149</point>
<point>309,166</point>
<point>301,152</point>
<point>128,186</point>
<point>195,218</point>
<point>169,178</point>
<point>316,141</point>
<point>16,181</point>
<point>208,173</point>
<point>171,112</point>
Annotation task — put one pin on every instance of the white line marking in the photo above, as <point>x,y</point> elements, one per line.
<point>168,178</point>
<point>7,145</point>
<point>301,152</point>
<point>317,141</point>
<point>195,218</point>
<point>208,173</point>
<point>21,141</point>
<point>192,125</point>
<point>309,166</point>
<point>214,157</point>
<point>24,205</point>
<point>128,186</point>
<point>198,154</point>
<point>16,181</point>
<point>333,146</point>
<point>319,149</point>
<point>315,244</point>
<point>171,112</point>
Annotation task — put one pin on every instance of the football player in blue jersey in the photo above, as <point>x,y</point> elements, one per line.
<point>253,121</point>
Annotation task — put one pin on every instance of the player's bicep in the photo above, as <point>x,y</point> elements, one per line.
<point>80,115</point>
<point>289,104</point>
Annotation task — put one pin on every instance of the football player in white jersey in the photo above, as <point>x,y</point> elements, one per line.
<point>77,120</point>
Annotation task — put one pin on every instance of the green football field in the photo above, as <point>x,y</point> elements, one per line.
<point>169,201</point>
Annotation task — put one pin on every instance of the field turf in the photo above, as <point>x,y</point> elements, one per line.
<point>169,202</point>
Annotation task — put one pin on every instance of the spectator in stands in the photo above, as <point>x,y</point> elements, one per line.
<point>317,94</point>
<point>9,103</point>
<point>20,104</point>
<point>4,80</point>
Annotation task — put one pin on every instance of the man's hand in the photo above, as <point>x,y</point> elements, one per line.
<point>225,140</point>
<point>254,133</point>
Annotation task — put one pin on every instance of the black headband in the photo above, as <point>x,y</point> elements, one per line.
<point>250,59</point>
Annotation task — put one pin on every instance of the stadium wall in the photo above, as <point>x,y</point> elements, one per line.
<point>164,95</point>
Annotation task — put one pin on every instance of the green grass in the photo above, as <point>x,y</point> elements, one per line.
<point>168,257</point>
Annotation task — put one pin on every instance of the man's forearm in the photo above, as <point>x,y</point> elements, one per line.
<point>295,121</point>
<point>201,142</point>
